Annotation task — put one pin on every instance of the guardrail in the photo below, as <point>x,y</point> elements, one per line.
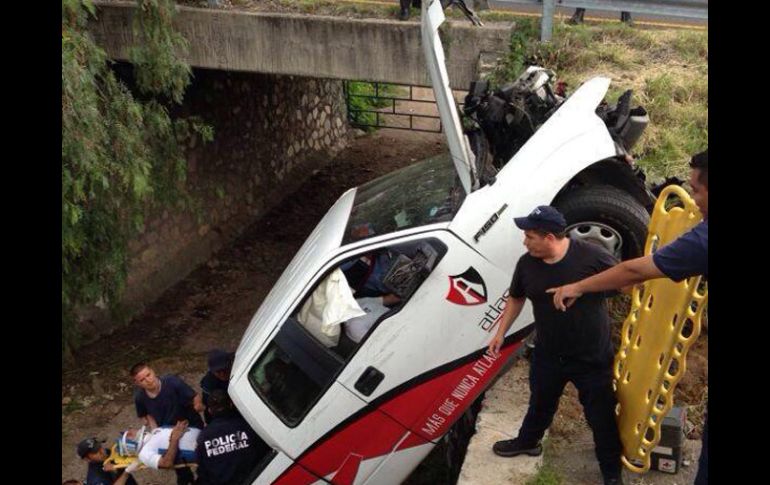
<point>689,9</point>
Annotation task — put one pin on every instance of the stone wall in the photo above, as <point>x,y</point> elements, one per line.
<point>270,132</point>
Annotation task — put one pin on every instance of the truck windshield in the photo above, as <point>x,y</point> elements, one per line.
<point>424,193</point>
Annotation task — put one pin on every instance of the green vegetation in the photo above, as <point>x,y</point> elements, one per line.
<point>122,154</point>
<point>546,475</point>
<point>363,97</point>
<point>667,70</point>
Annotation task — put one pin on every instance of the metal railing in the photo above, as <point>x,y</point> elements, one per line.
<point>689,9</point>
<point>399,108</point>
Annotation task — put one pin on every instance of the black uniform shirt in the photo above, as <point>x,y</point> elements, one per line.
<point>97,476</point>
<point>582,333</point>
<point>228,450</point>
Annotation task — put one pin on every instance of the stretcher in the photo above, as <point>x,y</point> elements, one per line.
<point>120,461</point>
<point>664,321</point>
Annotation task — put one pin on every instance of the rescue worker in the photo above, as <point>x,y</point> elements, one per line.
<point>94,453</point>
<point>218,377</point>
<point>228,449</point>
<point>685,257</point>
<point>570,347</point>
<point>163,401</point>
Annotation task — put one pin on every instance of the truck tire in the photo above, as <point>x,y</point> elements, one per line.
<point>608,216</point>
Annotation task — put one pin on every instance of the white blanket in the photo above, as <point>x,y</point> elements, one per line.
<point>330,304</point>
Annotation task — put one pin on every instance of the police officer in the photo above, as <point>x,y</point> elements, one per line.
<point>92,451</point>
<point>228,448</point>
<point>218,376</point>
<point>571,346</point>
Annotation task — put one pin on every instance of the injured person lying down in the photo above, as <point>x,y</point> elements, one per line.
<point>153,448</point>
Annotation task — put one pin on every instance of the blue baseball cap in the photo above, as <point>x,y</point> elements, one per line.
<point>220,360</point>
<point>88,446</point>
<point>543,218</point>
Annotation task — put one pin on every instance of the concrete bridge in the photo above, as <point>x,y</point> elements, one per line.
<point>312,46</point>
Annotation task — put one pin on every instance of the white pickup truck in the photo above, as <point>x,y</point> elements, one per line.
<point>342,410</point>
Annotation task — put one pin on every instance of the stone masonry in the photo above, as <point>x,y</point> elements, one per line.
<point>270,133</point>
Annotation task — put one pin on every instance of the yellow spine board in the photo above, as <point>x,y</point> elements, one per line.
<point>664,321</point>
<point>120,461</point>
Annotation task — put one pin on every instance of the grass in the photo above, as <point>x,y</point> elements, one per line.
<point>546,475</point>
<point>356,101</point>
<point>75,404</point>
<point>666,69</point>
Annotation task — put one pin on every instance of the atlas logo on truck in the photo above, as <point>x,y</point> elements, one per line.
<point>467,288</point>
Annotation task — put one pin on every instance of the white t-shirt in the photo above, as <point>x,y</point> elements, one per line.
<point>156,444</point>
<point>356,328</point>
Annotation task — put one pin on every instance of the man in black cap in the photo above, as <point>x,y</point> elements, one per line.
<point>684,257</point>
<point>218,376</point>
<point>572,346</point>
<point>228,448</point>
<point>92,451</point>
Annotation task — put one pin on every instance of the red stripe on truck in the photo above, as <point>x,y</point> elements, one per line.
<point>428,409</point>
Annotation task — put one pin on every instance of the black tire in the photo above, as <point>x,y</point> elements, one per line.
<point>609,206</point>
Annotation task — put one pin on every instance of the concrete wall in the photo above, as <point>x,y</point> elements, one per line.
<point>502,412</point>
<point>314,46</point>
<point>270,133</point>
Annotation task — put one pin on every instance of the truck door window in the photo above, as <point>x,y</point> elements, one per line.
<point>293,372</point>
<point>303,360</point>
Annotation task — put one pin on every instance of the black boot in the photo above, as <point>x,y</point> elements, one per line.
<point>625,17</point>
<point>515,447</point>
<point>184,476</point>
<point>614,480</point>
<point>577,17</point>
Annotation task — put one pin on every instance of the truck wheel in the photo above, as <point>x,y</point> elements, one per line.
<point>608,216</point>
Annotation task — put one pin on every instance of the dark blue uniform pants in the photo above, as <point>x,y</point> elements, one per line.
<point>547,378</point>
<point>184,476</point>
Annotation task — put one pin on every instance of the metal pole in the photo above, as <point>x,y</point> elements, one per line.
<point>546,23</point>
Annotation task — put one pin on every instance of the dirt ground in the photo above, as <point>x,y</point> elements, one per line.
<point>214,304</point>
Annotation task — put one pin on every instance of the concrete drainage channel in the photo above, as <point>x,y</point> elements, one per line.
<point>502,409</point>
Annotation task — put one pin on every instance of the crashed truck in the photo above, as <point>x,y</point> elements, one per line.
<point>336,410</point>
